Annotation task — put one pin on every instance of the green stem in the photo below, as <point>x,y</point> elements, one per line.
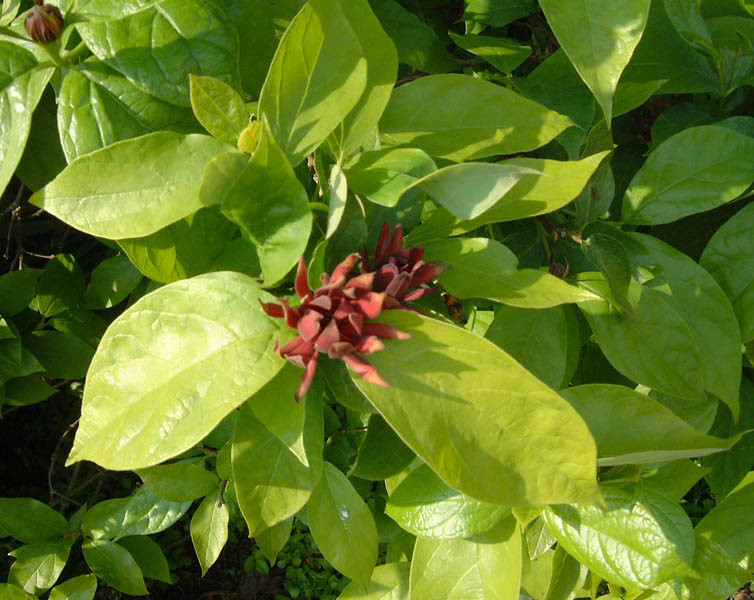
<point>73,54</point>
<point>319,206</point>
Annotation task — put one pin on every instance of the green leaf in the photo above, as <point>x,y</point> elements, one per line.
<point>63,355</point>
<point>84,324</point>
<point>189,247</point>
<point>280,233</point>
<point>424,506</point>
<point>21,87</point>
<point>727,469</point>
<point>425,114</point>
<point>729,258</point>
<point>13,592</point>
<point>111,192</point>
<point>388,582</point>
<point>17,290</point>
<point>359,129</point>
<point>271,482</point>
<point>273,539</point>
<point>142,513</point>
<point>318,74</point>
<point>643,539</point>
<point>447,387</point>
<point>487,567</point>
<point>342,526</point>
<point>687,20</point>
<point>730,523</point>
<point>30,521</point>
<point>209,529</point>
<point>82,587</point>
<point>416,42</point>
<point>695,170</point>
<point>599,40</point>
<point>218,107</point>
<point>664,55</point>
<point>9,11</point>
<point>611,258</point>
<point>382,176</point>
<point>183,357</point>
<point>556,184</point>
<point>484,268</point>
<point>38,566</point>
<point>98,106</point>
<point>675,478</point>
<point>655,435</point>
<point>721,575</point>
<point>148,555</point>
<point>722,8</point>
<point>682,326</point>
<point>157,45</point>
<point>538,339</point>
<point>566,571</point>
<point>502,53</point>
<point>114,565</point>
<point>112,281</point>
<point>24,391</point>
<point>338,194</point>
<point>470,189</point>
<point>496,13</point>
<point>179,482</point>
<point>60,286</point>
<point>382,454</point>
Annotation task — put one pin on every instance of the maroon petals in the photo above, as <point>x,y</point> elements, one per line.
<point>384,331</point>
<point>307,378</point>
<point>302,279</point>
<point>273,310</point>
<point>362,368</point>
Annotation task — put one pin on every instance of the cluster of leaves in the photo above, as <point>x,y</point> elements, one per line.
<point>583,169</point>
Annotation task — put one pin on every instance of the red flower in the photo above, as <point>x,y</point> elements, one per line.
<point>44,23</point>
<point>333,319</point>
<point>400,272</point>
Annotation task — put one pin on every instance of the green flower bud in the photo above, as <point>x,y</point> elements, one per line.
<point>44,23</point>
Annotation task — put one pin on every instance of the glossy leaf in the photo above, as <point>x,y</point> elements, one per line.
<point>655,435</point>
<point>60,286</point>
<point>497,13</point>
<point>487,567</point>
<point>143,513</point>
<point>502,53</point>
<point>271,482</point>
<point>416,42</point>
<point>342,526</point>
<point>382,176</point>
<point>493,120</point>
<point>209,529</point>
<point>114,565</point>
<point>82,587</point>
<point>29,520</point>
<point>111,192</point>
<point>424,506</point>
<point>537,338</point>
<point>388,582</point>
<point>111,283</point>
<point>183,357</point>
<point>338,197</point>
<point>21,87</point>
<point>148,555</point>
<point>699,337</point>
<point>218,107</point>
<point>98,106</point>
<point>643,539</point>
<point>17,290</point>
<point>447,405</point>
<point>13,592</point>
<point>179,482</point>
<point>156,46</point>
<point>317,76</point>
<point>273,539</point>
<point>190,247</point>
<point>470,189</point>
<point>721,575</point>
<point>728,524</point>
<point>277,218</point>
<point>729,258</point>
<point>484,268</point>
<point>382,454</point>
<point>598,39</point>
<point>38,566</point>
<point>556,184</point>
<point>63,355</point>
<point>695,170</point>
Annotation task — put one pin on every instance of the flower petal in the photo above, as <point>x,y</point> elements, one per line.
<point>329,336</point>
<point>310,324</point>
<point>384,331</point>
<point>272,309</point>
<point>302,279</point>
<point>307,378</point>
<point>362,368</point>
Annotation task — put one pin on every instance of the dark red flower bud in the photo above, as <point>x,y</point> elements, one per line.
<point>44,23</point>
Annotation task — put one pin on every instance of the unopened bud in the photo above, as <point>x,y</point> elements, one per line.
<point>44,23</point>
